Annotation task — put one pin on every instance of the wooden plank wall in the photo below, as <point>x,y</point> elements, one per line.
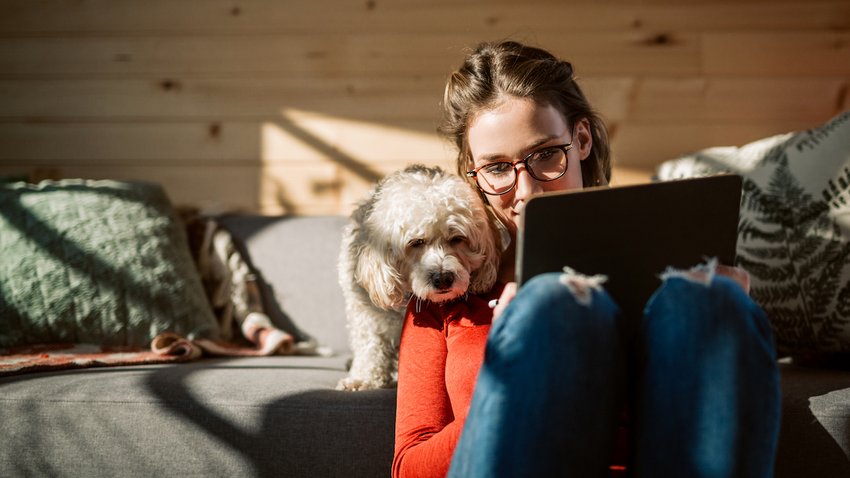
<point>299,106</point>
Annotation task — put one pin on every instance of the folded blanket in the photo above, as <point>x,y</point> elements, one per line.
<point>234,294</point>
<point>49,357</point>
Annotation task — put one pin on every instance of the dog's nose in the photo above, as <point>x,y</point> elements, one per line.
<point>442,280</point>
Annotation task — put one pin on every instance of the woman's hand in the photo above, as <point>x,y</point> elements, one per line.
<point>508,294</point>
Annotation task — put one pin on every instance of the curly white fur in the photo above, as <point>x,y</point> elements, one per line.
<point>423,232</point>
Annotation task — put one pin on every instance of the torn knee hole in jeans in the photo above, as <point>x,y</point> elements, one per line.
<point>582,286</point>
<point>700,274</point>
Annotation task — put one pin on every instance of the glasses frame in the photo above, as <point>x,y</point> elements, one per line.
<point>563,147</point>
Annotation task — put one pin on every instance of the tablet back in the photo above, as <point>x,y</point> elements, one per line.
<point>630,233</point>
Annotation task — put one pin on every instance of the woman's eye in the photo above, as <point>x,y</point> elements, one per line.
<point>498,168</point>
<point>544,154</point>
<point>416,243</point>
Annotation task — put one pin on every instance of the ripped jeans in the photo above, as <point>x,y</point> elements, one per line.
<point>698,373</point>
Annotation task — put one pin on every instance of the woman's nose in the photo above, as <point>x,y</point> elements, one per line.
<point>525,184</point>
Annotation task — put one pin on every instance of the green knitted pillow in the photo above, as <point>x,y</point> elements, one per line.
<point>100,262</point>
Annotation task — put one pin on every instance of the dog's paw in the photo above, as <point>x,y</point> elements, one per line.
<point>351,384</point>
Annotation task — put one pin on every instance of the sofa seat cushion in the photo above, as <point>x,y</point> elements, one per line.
<point>296,260</point>
<point>219,417</point>
<point>280,416</point>
<point>815,436</point>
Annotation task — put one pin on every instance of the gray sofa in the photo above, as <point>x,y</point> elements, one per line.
<point>280,416</point>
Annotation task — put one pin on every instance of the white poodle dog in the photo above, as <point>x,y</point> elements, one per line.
<point>423,234</point>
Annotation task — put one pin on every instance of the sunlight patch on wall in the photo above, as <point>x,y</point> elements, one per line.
<point>314,163</point>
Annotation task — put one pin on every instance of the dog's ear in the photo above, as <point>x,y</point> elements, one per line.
<point>376,271</point>
<point>485,242</point>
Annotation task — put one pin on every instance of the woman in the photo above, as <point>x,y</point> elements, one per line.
<point>696,375</point>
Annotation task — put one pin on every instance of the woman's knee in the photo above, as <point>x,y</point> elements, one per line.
<point>556,329</point>
<point>705,306</point>
<point>558,303</point>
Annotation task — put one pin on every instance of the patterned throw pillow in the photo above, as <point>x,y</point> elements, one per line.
<point>100,262</point>
<point>794,232</point>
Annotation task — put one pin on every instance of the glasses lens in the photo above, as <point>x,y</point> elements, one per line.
<point>496,178</point>
<point>547,164</point>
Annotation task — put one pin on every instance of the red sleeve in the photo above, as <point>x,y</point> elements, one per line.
<point>426,431</point>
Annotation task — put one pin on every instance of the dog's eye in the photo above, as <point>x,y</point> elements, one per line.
<point>416,243</point>
<point>457,240</point>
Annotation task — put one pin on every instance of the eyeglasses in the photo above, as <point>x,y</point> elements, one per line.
<point>546,164</point>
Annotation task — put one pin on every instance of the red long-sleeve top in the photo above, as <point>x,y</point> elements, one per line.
<point>442,349</point>
<point>441,352</point>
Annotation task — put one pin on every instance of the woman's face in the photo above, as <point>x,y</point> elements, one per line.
<point>512,130</point>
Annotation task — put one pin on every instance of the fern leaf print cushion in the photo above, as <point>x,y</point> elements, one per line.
<point>794,230</point>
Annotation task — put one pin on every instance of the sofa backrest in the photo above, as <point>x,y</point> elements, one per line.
<point>296,258</point>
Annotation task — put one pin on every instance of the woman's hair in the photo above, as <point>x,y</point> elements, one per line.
<point>509,68</point>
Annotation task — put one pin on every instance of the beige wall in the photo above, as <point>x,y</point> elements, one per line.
<point>298,106</point>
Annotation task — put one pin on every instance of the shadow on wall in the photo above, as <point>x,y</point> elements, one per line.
<point>279,183</point>
<point>334,154</point>
<point>315,163</point>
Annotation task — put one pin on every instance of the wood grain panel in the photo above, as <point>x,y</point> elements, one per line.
<point>299,138</point>
<point>611,96</point>
<point>172,97</point>
<point>299,107</point>
<point>241,55</point>
<point>412,104</point>
<point>332,55</point>
<point>349,143</point>
<point>644,145</point>
<point>305,188</point>
<point>738,99</point>
<point>105,143</point>
<point>319,188</point>
<point>623,176</point>
<point>169,98</point>
<point>781,53</point>
<point>220,188</point>
<point>496,18</point>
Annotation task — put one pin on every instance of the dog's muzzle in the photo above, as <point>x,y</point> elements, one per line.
<point>442,280</point>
